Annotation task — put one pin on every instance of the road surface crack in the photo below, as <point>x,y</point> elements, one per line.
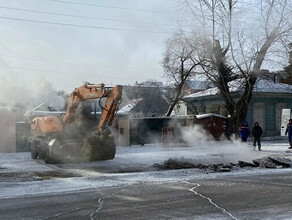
<point>100,203</point>
<point>209,199</point>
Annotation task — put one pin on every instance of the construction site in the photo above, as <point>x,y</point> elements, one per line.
<point>170,109</point>
<point>96,144</point>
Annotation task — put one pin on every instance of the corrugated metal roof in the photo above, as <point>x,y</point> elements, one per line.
<point>198,85</point>
<point>261,86</point>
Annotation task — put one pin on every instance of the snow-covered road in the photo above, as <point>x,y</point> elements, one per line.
<point>20,175</point>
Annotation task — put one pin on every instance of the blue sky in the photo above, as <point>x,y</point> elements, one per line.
<point>33,49</point>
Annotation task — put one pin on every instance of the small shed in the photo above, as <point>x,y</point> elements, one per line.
<point>215,124</point>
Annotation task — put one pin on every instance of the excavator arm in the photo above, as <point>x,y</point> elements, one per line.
<point>85,92</point>
<point>98,145</point>
<point>94,91</point>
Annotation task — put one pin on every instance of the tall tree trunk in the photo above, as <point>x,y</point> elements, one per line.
<point>243,102</point>
<point>176,99</point>
<point>223,79</point>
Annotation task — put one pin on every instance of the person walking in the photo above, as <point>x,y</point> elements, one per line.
<point>257,133</point>
<point>289,132</point>
<point>244,131</point>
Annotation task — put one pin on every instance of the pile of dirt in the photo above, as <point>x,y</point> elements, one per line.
<point>35,176</point>
<point>264,162</point>
<point>268,162</point>
<point>171,164</point>
<point>55,174</point>
<point>18,177</point>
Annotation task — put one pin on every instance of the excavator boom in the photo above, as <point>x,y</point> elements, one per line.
<point>86,92</point>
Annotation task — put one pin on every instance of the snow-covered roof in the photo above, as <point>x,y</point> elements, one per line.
<point>268,86</point>
<point>197,85</point>
<point>130,105</point>
<point>209,115</point>
<point>42,110</point>
<point>261,86</point>
<point>43,113</point>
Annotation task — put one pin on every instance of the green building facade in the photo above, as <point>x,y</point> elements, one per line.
<point>265,107</point>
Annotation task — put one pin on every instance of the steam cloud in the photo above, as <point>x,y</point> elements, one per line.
<point>29,95</point>
<point>210,151</point>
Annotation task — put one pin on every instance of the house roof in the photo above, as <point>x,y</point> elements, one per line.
<point>261,86</point>
<point>130,105</point>
<point>198,85</point>
<point>209,115</point>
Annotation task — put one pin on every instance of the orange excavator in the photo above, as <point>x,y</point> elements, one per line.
<point>56,138</point>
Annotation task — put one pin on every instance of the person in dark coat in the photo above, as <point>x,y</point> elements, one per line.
<point>257,133</point>
<point>289,132</point>
<point>244,131</point>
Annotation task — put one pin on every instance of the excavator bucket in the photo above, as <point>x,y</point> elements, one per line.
<point>62,150</point>
<point>97,148</point>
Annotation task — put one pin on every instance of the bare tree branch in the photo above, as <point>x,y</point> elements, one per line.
<point>233,46</point>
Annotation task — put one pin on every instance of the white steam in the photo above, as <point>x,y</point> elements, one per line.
<point>220,151</point>
<point>29,95</point>
<point>196,136</point>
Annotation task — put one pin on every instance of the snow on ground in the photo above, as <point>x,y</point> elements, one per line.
<point>20,162</point>
<point>142,157</point>
<point>66,185</point>
<point>126,168</point>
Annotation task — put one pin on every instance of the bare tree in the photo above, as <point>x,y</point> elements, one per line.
<point>288,69</point>
<point>237,39</point>
<point>147,99</point>
<point>179,64</point>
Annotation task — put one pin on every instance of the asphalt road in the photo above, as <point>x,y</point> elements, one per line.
<point>265,196</point>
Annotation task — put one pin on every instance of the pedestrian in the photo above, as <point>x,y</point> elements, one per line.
<point>289,132</point>
<point>257,133</point>
<point>244,131</point>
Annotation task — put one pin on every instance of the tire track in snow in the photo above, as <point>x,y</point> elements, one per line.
<point>210,200</point>
<point>100,203</point>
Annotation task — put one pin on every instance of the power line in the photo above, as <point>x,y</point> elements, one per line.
<point>112,7</point>
<point>65,72</point>
<point>77,16</point>
<point>83,26</point>
<point>78,64</point>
